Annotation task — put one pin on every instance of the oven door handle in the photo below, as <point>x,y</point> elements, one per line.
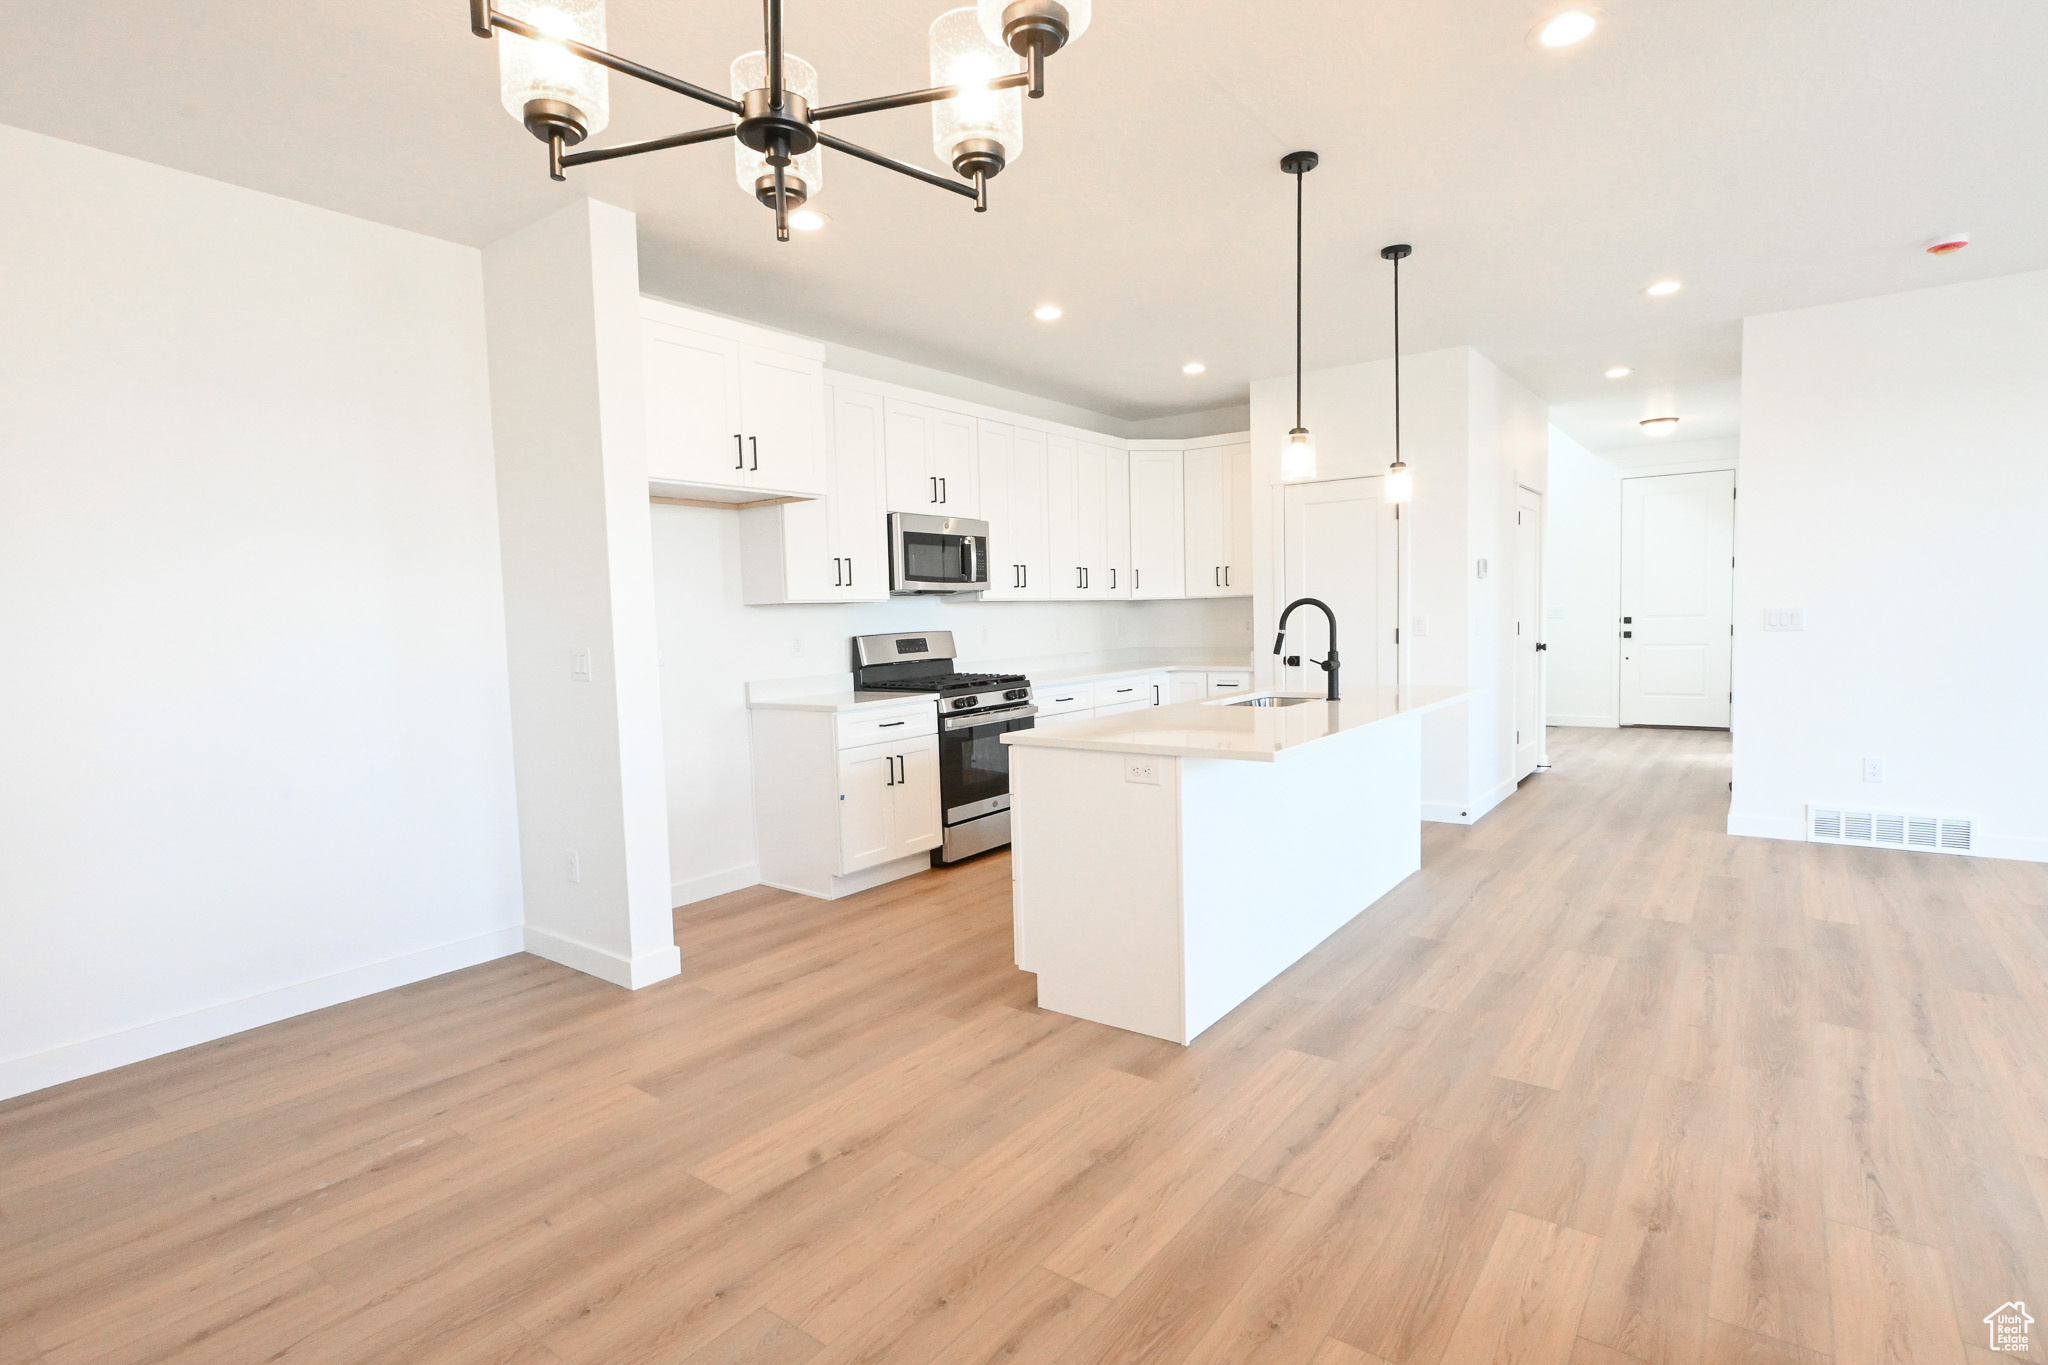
<point>989,718</point>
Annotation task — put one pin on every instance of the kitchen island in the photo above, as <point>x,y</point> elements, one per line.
<point>1168,863</point>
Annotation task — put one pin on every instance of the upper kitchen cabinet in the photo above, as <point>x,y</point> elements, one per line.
<point>830,549</point>
<point>1078,506</point>
<point>1013,503</point>
<point>1116,492</point>
<point>1216,492</point>
<point>734,413</point>
<point>934,461</point>
<point>1158,524</point>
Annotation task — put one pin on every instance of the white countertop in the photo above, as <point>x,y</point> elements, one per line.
<point>843,701</point>
<point>1060,677</point>
<point>1218,729</point>
<point>764,699</point>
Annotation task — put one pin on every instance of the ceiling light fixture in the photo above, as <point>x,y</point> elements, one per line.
<point>1298,456</point>
<point>1664,288</point>
<point>1948,244</point>
<point>1400,484</point>
<point>553,76</point>
<point>1193,367</point>
<point>1620,372</point>
<point>1047,312</point>
<point>807,220</point>
<point>1658,426</point>
<point>1565,28</point>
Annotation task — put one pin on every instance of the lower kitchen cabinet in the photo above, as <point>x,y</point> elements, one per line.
<point>845,800</point>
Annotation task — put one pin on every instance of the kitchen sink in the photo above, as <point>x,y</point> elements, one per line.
<point>1269,701</point>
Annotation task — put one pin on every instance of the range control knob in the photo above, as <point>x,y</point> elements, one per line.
<point>959,702</point>
<point>1016,694</point>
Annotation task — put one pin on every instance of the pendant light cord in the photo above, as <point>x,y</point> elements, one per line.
<point>1298,177</point>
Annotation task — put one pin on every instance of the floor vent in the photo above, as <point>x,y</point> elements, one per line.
<point>1889,829</point>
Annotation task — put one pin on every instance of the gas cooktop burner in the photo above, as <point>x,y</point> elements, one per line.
<point>944,682</point>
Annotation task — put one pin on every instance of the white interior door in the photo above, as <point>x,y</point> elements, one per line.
<point>1528,590</point>
<point>1340,548</point>
<point>1677,598</point>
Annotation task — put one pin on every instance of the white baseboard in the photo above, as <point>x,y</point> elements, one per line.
<point>864,880</point>
<point>633,973</point>
<point>2019,850</point>
<point>1767,826</point>
<point>1586,722</point>
<point>693,889</point>
<point>1445,813</point>
<point>20,1075</point>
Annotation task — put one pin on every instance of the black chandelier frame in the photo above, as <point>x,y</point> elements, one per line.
<point>778,122</point>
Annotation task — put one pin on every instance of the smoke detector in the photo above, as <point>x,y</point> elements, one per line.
<point>1948,243</point>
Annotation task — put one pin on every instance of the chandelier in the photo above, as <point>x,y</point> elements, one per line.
<point>552,70</point>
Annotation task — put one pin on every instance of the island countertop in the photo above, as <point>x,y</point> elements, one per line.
<point>1227,728</point>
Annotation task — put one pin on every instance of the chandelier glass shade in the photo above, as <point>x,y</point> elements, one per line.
<point>981,127</point>
<point>805,174</point>
<point>531,70</point>
<point>554,75</point>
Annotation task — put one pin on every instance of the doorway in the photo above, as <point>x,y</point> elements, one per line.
<point>1529,644</point>
<point>1340,546</point>
<point>1677,599</point>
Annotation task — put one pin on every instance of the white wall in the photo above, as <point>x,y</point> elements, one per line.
<point>712,646</point>
<point>1895,486</point>
<point>256,745</point>
<point>564,329</point>
<point>1582,555</point>
<point>1470,433</point>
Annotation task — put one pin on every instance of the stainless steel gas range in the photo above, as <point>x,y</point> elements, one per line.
<point>975,711</point>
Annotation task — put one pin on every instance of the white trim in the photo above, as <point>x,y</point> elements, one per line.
<point>1586,722</point>
<point>693,889</point>
<point>603,963</point>
<point>1768,826</point>
<point>2013,847</point>
<point>21,1075</point>
<point>1448,813</point>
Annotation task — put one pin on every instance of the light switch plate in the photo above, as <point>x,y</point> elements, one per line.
<point>579,664</point>
<point>1482,568</point>
<point>1421,627</point>
<point>1784,618</point>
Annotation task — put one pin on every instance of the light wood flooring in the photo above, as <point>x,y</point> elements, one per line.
<point>1600,1085</point>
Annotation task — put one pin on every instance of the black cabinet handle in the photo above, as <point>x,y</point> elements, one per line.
<point>836,575</point>
<point>935,489</point>
<point>849,571</point>
<point>902,771</point>
<point>755,442</point>
<point>1027,575</point>
<point>1112,580</point>
<point>739,451</point>
<point>1216,577</point>
<point>890,764</point>
<point>1137,577</point>
<point>1226,575</point>
<point>891,724</point>
<point>942,488</point>
<point>1155,694</point>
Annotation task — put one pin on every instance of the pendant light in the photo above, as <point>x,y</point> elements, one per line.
<point>1400,484</point>
<point>1298,456</point>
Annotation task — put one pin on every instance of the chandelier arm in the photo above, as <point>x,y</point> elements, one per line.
<point>909,97</point>
<point>618,64</point>
<point>840,144</point>
<point>660,144</point>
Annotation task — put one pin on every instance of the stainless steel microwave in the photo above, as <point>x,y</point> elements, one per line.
<point>937,554</point>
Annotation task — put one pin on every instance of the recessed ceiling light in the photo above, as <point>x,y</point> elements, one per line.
<point>807,220</point>
<point>1047,312</point>
<point>1620,372</point>
<point>1663,288</point>
<point>1659,426</point>
<point>1193,367</point>
<point>1565,28</point>
<point>1948,244</point>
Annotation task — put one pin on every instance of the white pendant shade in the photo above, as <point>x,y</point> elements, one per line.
<point>991,13</point>
<point>750,72</point>
<point>532,70</point>
<point>1298,457</point>
<point>963,54</point>
<point>1400,485</point>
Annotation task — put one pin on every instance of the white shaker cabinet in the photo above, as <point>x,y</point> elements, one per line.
<point>1158,525</point>
<point>1216,491</point>
<point>1116,495</point>
<point>933,461</point>
<point>845,800</point>
<point>834,549</point>
<point>888,802</point>
<point>732,415</point>
<point>1013,503</point>
<point>1078,510</point>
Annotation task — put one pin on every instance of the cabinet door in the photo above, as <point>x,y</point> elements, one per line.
<point>781,408</point>
<point>1158,525</point>
<point>859,521</point>
<point>868,780</point>
<point>1203,494</point>
<point>1117,521</point>
<point>913,483</point>
<point>1063,518</point>
<point>956,460</point>
<point>692,384</point>
<point>1091,501</point>
<point>999,509</point>
<point>1237,520</point>
<point>1189,686</point>
<point>918,823</point>
<point>1027,508</point>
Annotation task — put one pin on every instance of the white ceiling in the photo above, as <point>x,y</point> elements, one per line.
<point>1771,153</point>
